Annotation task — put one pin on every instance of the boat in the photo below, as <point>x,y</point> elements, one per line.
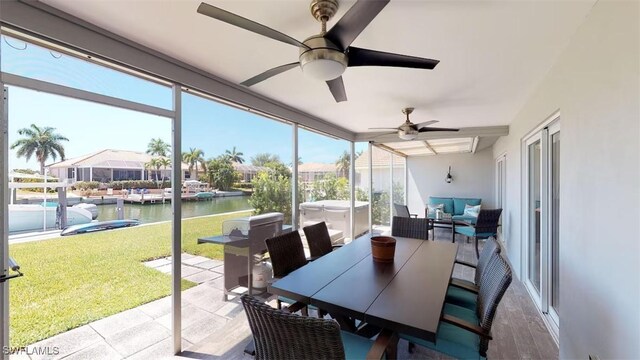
<point>31,217</point>
<point>98,226</point>
<point>92,208</point>
<point>205,195</point>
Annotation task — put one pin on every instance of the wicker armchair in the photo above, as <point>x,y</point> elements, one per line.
<point>287,254</point>
<point>403,211</point>
<point>465,333</point>
<point>319,240</point>
<point>411,227</point>
<point>279,334</point>
<point>486,226</point>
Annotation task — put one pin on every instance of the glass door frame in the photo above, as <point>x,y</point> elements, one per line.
<point>541,297</point>
<point>501,194</point>
<point>551,129</point>
<point>4,222</point>
<point>526,220</point>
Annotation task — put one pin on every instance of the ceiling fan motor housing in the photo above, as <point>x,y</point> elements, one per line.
<point>324,60</point>
<point>323,9</point>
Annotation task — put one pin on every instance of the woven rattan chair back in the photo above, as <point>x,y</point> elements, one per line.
<point>280,335</point>
<point>495,281</point>
<point>286,253</point>
<point>488,221</point>
<point>318,239</point>
<point>401,210</point>
<point>490,247</point>
<point>410,227</point>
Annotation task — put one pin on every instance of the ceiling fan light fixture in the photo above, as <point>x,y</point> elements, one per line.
<point>324,61</point>
<point>323,69</point>
<point>406,135</point>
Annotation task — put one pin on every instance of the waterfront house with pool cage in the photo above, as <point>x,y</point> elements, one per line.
<point>111,165</point>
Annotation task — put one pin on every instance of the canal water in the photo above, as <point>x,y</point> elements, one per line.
<point>149,213</point>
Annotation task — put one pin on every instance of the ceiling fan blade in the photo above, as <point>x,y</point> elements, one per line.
<point>385,134</point>
<point>239,21</point>
<point>269,73</point>
<point>367,57</point>
<point>384,129</point>
<point>429,129</point>
<point>424,124</point>
<point>354,21</point>
<point>337,89</point>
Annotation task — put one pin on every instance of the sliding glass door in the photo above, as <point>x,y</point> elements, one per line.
<point>542,219</point>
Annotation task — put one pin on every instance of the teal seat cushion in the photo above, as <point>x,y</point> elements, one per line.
<point>459,203</point>
<point>447,201</point>
<point>355,347</point>
<point>461,297</point>
<point>466,230</point>
<point>452,340</point>
<point>467,218</point>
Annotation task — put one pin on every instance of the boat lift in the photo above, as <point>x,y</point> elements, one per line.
<point>61,187</point>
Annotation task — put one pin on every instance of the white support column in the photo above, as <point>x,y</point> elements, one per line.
<point>352,187</point>
<point>370,161</point>
<point>91,173</point>
<point>406,182</point>
<point>295,204</point>
<point>391,199</point>
<point>176,202</point>
<point>4,232</point>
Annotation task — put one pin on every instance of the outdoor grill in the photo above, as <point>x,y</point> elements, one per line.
<point>243,241</point>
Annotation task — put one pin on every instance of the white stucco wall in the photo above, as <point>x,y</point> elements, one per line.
<point>595,86</point>
<point>472,178</point>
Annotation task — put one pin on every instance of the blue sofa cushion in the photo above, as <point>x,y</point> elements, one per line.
<point>447,201</point>
<point>467,218</point>
<point>452,340</point>
<point>459,203</point>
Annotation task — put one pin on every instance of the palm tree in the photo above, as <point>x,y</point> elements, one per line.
<point>158,147</point>
<point>264,158</point>
<point>164,162</point>
<point>154,164</point>
<point>344,163</point>
<point>234,155</point>
<point>193,157</point>
<point>44,142</point>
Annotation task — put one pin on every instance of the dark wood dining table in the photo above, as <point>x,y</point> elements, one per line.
<point>406,296</point>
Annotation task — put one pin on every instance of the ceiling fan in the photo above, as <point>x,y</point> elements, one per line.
<point>409,130</point>
<point>326,56</point>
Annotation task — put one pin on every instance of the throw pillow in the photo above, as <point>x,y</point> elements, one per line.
<point>431,209</point>
<point>470,210</point>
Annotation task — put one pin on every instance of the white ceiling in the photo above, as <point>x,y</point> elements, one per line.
<point>492,54</point>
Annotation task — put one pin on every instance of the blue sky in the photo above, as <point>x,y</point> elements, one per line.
<point>91,127</point>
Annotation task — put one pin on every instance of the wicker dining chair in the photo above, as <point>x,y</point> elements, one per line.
<point>287,254</point>
<point>464,292</point>
<point>411,227</point>
<point>319,240</point>
<point>278,334</point>
<point>486,226</point>
<point>464,333</point>
<point>403,211</point>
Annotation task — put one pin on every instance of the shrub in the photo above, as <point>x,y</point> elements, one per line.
<point>135,184</point>
<point>330,188</point>
<point>86,185</point>
<point>272,192</point>
<point>241,185</point>
<point>221,173</point>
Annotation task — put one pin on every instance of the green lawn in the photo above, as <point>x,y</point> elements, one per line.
<point>74,280</point>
